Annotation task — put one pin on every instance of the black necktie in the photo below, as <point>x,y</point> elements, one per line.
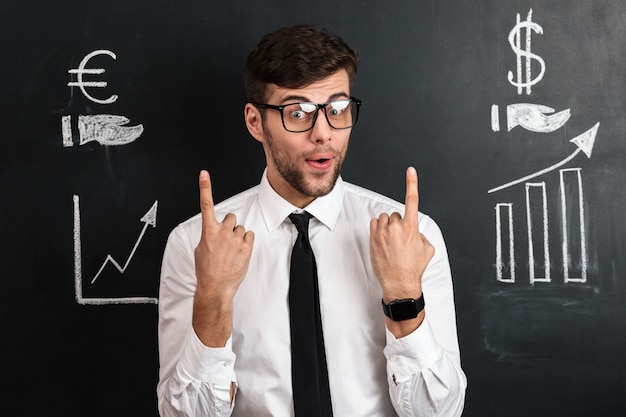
<point>309,375</point>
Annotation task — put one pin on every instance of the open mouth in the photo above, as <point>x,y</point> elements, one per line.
<point>320,163</point>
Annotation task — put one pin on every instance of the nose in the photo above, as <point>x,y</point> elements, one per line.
<point>321,131</point>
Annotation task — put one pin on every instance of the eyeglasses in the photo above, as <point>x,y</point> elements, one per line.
<point>300,117</point>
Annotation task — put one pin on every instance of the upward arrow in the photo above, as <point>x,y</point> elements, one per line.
<point>584,142</point>
<point>149,219</point>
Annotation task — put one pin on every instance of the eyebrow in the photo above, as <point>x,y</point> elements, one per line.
<point>298,99</point>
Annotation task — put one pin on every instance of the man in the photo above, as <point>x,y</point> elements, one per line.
<point>227,342</point>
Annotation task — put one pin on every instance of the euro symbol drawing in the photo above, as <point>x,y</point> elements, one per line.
<point>515,40</point>
<point>81,70</point>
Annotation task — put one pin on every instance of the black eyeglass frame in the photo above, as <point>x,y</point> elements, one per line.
<point>317,111</point>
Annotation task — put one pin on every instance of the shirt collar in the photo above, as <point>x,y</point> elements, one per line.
<point>275,209</point>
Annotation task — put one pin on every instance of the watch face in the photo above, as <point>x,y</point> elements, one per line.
<point>403,309</point>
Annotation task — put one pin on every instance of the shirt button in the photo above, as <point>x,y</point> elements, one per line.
<point>227,364</point>
<point>393,358</point>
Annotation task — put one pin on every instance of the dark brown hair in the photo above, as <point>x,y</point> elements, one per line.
<point>294,57</point>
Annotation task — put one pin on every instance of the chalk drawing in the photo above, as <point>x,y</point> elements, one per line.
<point>532,117</point>
<point>544,234</point>
<point>515,39</point>
<point>581,224</point>
<point>495,118</point>
<point>539,118</point>
<point>511,241</point>
<point>149,219</point>
<point>81,70</point>
<point>584,143</point>
<point>105,129</point>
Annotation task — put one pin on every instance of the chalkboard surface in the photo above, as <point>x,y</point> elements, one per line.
<point>512,112</point>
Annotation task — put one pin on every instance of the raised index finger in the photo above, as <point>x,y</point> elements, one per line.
<point>206,200</point>
<point>411,201</point>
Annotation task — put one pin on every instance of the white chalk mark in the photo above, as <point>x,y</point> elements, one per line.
<point>515,42</point>
<point>581,224</point>
<point>107,129</point>
<point>95,71</point>
<point>499,261</point>
<point>531,247</point>
<point>78,270</point>
<point>148,218</point>
<point>535,118</point>
<point>66,131</point>
<point>584,142</point>
<point>495,118</point>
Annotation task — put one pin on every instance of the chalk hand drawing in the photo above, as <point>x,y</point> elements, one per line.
<point>534,117</point>
<point>81,70</point>
<point>584,143</point>
<point>149,219</point>
<point>515,40</point>
<point>105,129</point>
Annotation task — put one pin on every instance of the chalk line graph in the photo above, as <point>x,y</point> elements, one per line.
<point>584,143</point>
<point>149,219</point>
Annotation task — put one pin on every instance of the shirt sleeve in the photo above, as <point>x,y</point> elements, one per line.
<point>423,368</point>
<point>194,380</point>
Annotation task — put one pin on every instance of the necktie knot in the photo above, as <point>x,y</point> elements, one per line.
<point>301,221</point>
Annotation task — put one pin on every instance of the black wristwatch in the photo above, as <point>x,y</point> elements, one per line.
<point>405,309</point>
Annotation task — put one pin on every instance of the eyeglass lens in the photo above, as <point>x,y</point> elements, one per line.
<point>340,114</point>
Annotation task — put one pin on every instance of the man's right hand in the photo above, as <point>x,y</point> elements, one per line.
<point>222,258</point>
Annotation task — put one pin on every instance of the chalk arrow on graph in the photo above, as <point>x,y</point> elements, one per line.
<point>150,220</point>
<point>535,117</point>
<point>584,143</point>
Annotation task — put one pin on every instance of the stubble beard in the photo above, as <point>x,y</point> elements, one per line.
<point>288,169</point>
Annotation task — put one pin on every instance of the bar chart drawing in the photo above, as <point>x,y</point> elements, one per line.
<point>572,228</point>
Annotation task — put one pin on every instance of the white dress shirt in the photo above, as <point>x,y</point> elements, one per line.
<point>371,373</point>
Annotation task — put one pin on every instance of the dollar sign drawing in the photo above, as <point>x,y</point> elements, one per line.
<point>515,40</point>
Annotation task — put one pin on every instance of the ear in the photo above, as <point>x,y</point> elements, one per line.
<point>254,123</point>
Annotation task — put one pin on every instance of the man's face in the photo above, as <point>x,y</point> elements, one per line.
<point>305,165</point>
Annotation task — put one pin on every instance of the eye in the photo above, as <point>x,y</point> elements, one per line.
<point>301,110</point>
<point>297,114</point>
<point>338,107</point>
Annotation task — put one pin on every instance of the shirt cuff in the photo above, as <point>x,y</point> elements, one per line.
<point>413,353</point>
<point>202,363</point>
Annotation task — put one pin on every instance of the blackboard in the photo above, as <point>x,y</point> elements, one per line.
<point>545,339</point>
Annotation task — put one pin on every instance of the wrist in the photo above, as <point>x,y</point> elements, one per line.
<point>402,309</point>
<point>212,319</point>
<point>391,294</point>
